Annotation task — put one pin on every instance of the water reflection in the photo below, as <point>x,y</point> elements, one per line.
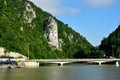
<point>70,72</point>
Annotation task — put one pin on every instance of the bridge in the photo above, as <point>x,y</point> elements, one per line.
<point>64,61</point>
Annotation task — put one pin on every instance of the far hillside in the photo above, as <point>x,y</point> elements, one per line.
<point>111,44</point>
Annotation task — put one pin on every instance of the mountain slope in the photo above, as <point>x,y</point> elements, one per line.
<point>23,27</point>
<point>111,44</point>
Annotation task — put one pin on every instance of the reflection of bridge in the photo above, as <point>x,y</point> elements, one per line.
<point>64,61</point>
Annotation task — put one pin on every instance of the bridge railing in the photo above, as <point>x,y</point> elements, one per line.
<point>73,60</point>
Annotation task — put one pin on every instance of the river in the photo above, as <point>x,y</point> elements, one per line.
<point>67,72</point>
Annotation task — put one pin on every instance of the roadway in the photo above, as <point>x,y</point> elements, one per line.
<point>64,61</point>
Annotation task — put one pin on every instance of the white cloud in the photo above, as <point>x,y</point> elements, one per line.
<point>48,5</point>
<point>54,7</point>
<point>99,3</point>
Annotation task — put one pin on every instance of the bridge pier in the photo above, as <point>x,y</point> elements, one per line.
<point>117,64</point>
<point>100,63</point>
<point>60,63</point>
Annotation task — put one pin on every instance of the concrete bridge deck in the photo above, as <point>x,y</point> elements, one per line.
<point>74,60</point>
<point>64,61</point>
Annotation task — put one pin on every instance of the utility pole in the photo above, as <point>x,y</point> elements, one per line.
<point>112,51</point>
<point>28,50</point>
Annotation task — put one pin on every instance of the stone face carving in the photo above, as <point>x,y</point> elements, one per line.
<point>51,32</point>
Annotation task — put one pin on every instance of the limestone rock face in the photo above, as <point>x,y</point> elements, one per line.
<point>51,32</point>
<point>29,13</point>
<point>11,54</point>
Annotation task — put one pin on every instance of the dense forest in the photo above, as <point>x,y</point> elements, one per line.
<point>111,44</point>
<point>17,34</point>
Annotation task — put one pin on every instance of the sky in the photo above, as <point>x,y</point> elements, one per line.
<point>93,19</point>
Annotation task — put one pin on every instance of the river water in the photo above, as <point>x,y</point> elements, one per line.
<point>67,72</point>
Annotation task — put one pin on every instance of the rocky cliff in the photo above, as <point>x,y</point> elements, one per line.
<point>29,14</point>
<point>51,32</point>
